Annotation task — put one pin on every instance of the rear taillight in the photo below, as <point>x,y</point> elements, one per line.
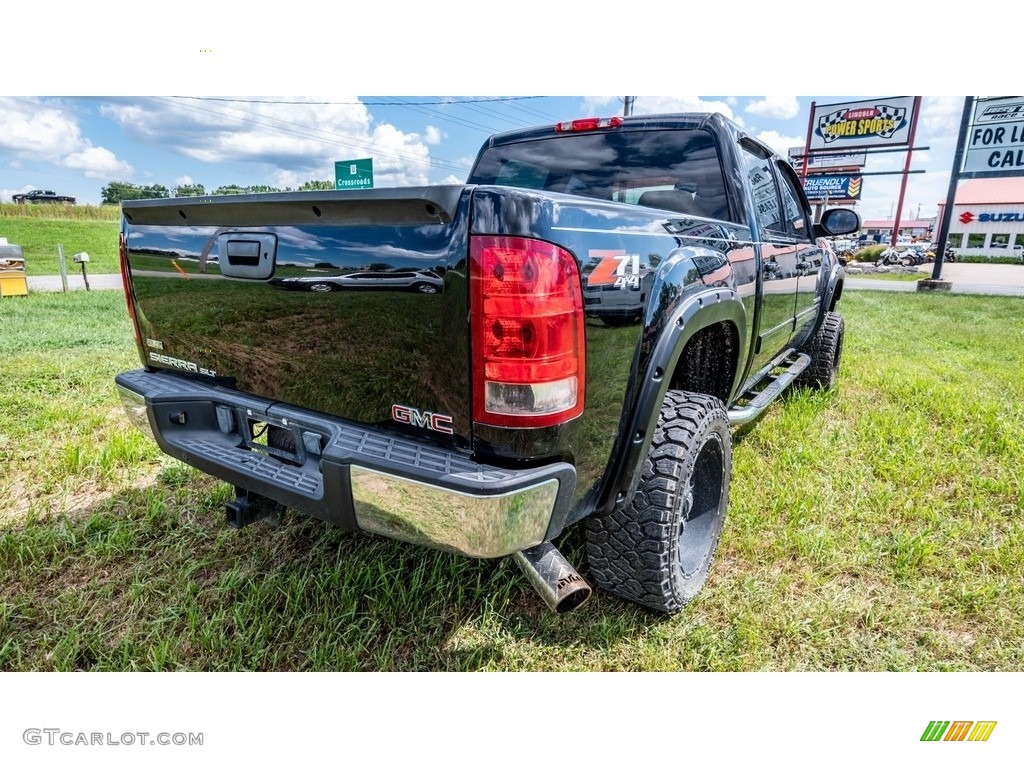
<point>526,316</point>
<point>126,282</point>
<point>588,124</point>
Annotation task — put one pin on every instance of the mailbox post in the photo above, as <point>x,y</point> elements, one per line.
<point>82,258</point>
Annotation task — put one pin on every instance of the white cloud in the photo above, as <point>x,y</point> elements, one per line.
<point>293,180</point>
<point>36,130</point>
<point>940,120</point>
<point>782,107</point>
<point>28,127</point>
<point>432,136</point>
<point>184,181</point>
<point>781,144</point>
<point>294,141</point>
<point>98,163</point>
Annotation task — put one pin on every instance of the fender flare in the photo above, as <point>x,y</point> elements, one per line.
<point>698,311</point>
<point>832,293</point>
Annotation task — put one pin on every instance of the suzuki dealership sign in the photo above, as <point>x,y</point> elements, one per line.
<point>882,122</point>
<point>835,188</point>
<point>995,137</point>
<point>968,217</point>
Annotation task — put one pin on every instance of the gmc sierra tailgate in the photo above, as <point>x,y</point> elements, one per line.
<point>351,303</point>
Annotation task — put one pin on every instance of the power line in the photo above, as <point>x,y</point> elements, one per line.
<point>435,113</point>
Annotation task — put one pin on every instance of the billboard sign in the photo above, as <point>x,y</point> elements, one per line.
<point>824,162</point>
<point>995,137</point>
<point>835,188</point>
<point>883,122</point>
<point>353,174</point>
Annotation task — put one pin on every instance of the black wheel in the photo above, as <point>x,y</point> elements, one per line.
<point>826,351</point>
<point>321,287</point>
<point>657,549</point>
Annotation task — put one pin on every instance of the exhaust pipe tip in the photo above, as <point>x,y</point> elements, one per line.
<point>557,582</point>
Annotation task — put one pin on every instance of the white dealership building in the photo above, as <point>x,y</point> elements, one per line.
<point>988,218</point>
<point>987,214</point>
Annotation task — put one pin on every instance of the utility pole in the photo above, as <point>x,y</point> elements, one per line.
<point>627,106</point>
<point>954,178</point>
<point>906,170</point>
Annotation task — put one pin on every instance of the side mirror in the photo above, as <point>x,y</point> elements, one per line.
<point>81,258</point>
<point>838,221</point>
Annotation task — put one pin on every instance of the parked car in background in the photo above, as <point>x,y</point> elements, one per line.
<point>421,281</point>
<point>42,196</point>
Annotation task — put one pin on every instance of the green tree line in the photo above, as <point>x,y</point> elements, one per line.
<point>116,191</point>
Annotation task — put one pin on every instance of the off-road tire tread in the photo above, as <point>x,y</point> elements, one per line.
<point>632,552</point>
<point>826,351</point>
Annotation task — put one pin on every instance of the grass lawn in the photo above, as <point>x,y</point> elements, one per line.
<point>897,276</point>
<point>877,527</point>
<point>39,228</point>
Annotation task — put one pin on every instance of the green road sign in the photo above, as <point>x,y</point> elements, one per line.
<point>353,174</point>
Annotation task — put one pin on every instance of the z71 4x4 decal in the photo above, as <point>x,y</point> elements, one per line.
<point>616,268</point>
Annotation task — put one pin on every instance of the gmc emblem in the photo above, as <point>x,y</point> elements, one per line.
<point>437,422</point>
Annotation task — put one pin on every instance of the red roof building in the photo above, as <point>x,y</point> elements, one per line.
<point>919,228</point>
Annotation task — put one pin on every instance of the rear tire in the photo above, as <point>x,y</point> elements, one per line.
<point>657,549</point>
<point>826,351</point>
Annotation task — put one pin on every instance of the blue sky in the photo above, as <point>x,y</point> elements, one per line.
<point>76,145</point>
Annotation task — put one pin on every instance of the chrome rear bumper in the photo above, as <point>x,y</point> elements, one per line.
<point>351,475</point>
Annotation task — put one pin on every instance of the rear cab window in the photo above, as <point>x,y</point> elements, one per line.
<point>673,169</point>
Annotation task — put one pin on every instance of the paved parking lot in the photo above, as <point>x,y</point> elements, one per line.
<point>984,279</point>
<point>979,274</point>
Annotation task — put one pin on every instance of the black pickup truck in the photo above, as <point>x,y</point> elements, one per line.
<point>42,196</point>
<point>609,300</point>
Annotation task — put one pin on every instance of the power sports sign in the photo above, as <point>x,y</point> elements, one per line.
<point>995,137</point>
<point>859,124</point>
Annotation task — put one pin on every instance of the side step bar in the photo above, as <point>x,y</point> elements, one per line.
<point>770,382</point>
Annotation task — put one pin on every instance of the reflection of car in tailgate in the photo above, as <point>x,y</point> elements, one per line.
<point>423,281</point>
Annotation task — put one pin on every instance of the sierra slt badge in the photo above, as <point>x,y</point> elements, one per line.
<point>181,365</point>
